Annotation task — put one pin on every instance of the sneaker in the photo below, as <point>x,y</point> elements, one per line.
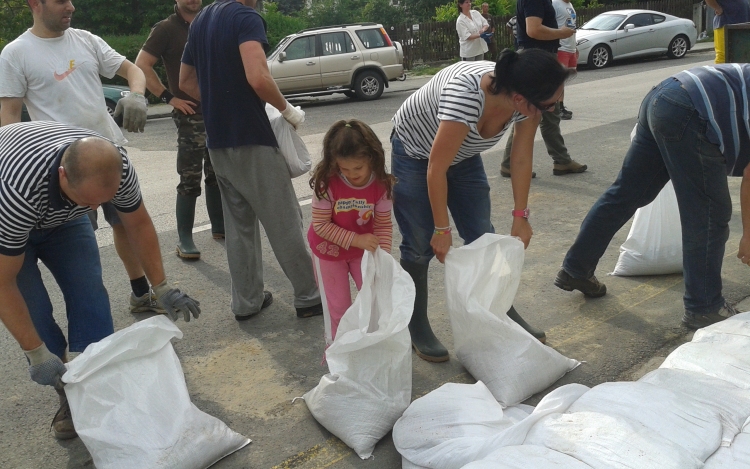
<point>565,114</point>
<point>310,311</point>
<point>505,172</point>
<point>267,300</point>
<point>62,423</point>
<point>145,304</point>
<point>697,321</point>
<point>567,168</point>
<point>590,287</point>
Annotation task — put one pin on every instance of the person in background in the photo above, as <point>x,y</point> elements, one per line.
<point>567,53</point>
<point>727,12</point>
<point>167,42</point>
<point>491,40</point>
<point>470,25</point>
<point>351,212</point>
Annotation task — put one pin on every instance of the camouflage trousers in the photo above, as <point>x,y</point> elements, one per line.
<point>192,154</point>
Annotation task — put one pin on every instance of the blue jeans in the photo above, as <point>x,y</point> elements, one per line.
<point>670,143</point>
<point>70,253</point>
<point>468,202</point>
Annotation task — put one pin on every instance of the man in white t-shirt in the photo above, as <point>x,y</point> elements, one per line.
<point>567,53</point>
<point>54,70</point>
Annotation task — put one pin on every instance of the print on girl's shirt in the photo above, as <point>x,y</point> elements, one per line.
<point>347,205</point>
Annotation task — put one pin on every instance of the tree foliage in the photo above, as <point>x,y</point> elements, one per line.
<point>279,24</point>
<point>15,18</point>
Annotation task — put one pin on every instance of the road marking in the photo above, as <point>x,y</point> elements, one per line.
<point>207,226</point>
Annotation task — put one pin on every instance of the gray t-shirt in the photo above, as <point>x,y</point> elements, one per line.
<point>566,16</point>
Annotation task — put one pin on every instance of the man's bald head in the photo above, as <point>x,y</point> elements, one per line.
<point>92,160</point>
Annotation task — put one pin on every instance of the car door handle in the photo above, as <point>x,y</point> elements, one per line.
<point>310,63</point>
<point>355,57</point>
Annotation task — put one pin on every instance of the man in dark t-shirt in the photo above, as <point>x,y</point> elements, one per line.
<point>224,65</point>
<point>491,40</point>
<point>167,42</point>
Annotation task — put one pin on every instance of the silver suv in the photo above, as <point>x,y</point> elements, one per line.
<point>355,59</point>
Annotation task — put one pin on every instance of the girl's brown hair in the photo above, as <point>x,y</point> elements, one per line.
<point>350,139</point>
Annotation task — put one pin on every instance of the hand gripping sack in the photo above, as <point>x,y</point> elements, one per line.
<point>131,407</point>
<point>368,386</point>
<point>480,283</point>
<point>290,143</point>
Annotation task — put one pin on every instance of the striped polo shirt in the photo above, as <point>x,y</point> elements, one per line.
<point>30,195</point>
<point>453,94</point>
<point>720,95</point>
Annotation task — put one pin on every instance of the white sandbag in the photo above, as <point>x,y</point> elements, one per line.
<point>654,243</point>
<point>606,442</point>
<point>131,407</point>
<point>369,384</point>
<point>672,414</point>
<point>729,401</point>
<point>527,457</point>
<point>480,283</point>
<point>736,456</point>
<point>290,143</point>
<point>444,428</point>
<point>723,356</point>
<point>738,325</point>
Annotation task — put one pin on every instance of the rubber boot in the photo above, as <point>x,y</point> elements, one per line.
<point>215,211</point>
<point>540,335</point>
<point>185,211</point>
<point>427,346</point>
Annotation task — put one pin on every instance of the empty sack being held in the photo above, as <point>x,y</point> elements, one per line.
<point>291,145</point>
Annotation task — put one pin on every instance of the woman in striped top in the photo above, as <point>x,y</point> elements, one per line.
<point>437,138</point>
<point>351,212</point>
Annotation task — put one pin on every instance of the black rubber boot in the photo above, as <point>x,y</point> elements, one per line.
<point>427,346</point>
<point>185,211</point>
<point>215,212</point>
<point>540,335</point>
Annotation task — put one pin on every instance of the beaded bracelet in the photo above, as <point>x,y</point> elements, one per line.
<point>442,231</point>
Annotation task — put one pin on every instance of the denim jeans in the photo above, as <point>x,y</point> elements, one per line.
<point>70,253</point>
<point>468,202</point>
<point>670,143</point>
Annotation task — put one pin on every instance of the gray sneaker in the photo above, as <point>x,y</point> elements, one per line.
<point>697,321</point>
<point>145,304</point>
<point>62,423</point>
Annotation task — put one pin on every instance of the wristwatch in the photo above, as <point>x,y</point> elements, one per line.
<point>521,213</point>
<point>166,96</point>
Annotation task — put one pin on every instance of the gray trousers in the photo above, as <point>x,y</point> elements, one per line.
<point>255,187</point>
<point>553,139</point>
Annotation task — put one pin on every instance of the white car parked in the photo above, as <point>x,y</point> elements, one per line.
<point>622,34</point>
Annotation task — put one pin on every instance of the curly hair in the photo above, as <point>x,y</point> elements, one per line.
<point>350,139</point>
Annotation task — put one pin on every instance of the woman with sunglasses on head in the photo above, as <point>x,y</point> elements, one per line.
<point>470,24</point>
<point>438,135</point>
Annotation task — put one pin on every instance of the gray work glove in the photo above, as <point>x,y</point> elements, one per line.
<point>293,114</point>
<point>174,302</point>
<point>45,367</point>
<point>133,108</point>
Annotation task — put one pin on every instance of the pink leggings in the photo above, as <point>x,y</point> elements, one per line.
<point>335,290</point>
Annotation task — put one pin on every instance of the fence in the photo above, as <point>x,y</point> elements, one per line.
<point>438,42</point>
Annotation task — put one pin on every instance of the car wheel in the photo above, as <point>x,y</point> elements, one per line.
<point>350,94</point>
<point>678,47</point>
<point>111,105</point>
<point>368,85</point>
<point>600,56</point>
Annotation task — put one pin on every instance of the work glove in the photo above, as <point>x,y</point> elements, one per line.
<point>133,108</point>
<point>174,302</point>
<point>293,114</point>
<point>45,367</point>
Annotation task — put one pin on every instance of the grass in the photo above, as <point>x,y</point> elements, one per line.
<point>423,70</point>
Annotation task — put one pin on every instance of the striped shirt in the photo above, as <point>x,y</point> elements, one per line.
<point>453,94</point>
<point>720,94</point>
<point>30,195</point>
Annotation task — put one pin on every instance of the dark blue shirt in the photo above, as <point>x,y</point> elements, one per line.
<point>541,9</point>
<point>734,11</point>
<point>233,113</point>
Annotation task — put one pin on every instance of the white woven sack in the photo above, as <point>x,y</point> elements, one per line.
<point>369,384</point>
<point>672,414</point>
<point>736,456</point>
<point>131,407</point>
<point>527,457</point>
<point>480,283</point>
<point>290,143</point>
<point>654,243</point>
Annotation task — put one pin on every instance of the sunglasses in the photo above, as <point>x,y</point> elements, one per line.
<point>543,107</point>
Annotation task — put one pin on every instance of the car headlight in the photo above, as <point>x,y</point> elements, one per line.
<point>124,93</point>
<point>582,41</point>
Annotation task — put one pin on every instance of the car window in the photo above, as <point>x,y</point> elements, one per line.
<point>640,20</point>
<point>604,22</point>
<point>336,43</point>
<point>301,48</point>
<point>371,38</point>
<point>658,18</point>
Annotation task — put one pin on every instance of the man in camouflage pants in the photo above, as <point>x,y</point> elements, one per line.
<point>167,41</point>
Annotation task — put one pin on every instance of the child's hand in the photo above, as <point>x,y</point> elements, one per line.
<point>367,241</point>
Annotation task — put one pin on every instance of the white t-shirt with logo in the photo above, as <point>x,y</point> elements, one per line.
<point>58,79</point>
<point>566,16</point>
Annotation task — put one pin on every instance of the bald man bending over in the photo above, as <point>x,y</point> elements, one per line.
<point>53,174</point>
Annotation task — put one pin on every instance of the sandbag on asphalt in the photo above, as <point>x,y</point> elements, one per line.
<point>481,280</point>
<point>527,457</point>
<point>131,407</point>
<point>369,382</point>
<point>738,325</point>
<point>736,456</point>
<point>672,414</point>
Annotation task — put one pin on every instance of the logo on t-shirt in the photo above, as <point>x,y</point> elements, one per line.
<point>71,67</point>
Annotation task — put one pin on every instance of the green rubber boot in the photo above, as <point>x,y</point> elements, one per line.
<point>539,335</point>
<point>185,211</point>
<point>215,211</point>
<point>427,346</point>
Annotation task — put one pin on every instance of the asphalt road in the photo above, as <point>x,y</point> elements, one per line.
<point>247,373</point>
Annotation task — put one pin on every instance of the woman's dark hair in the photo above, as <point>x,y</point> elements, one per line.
<point>458,5</point>
<point>350,139</point>
<point>535,74</point>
